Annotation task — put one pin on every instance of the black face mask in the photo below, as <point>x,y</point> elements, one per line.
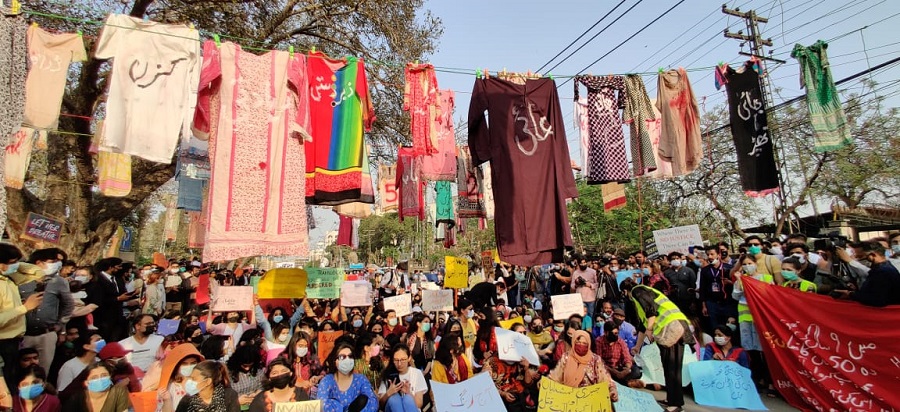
<point>582,267</point>
<point>233,319</point>
<point>281,381</point>
<point>612,337</point>
<point>197,339</point>
<point>149,330</point>
<point>537,329</point>
<point>619,321</point>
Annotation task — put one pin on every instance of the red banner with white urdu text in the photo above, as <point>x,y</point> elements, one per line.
<point>825,354</point>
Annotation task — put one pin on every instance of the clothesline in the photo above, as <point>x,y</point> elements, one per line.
<point>442,69</point>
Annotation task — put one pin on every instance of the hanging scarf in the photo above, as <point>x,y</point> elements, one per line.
<point>576,365</point>
<point>217,405</point>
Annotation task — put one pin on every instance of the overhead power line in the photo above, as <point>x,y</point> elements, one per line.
<point>582,35</point>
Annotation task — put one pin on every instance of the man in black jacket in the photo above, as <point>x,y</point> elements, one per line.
<point>105,291</point>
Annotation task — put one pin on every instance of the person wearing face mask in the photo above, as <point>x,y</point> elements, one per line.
<point>124,373</point>
<point>420,340</point>
<point>765,264</point>
<point>579,367</point>
<point>790,270</point>
<point>108,293</point>
<point>724,349</point>
<point>616,355</point>
<point>34,394</point>
<point>94,391</point>
<point>775,249</point>
<point>683,280</point>
<point>233,327</point>
<point>452,365</point>
<point>154,294</point>
<point>279,377</point>
<point>208,390</point>
<point>87,348</point>
<point>169,377</point>
<point>585,282</point>
<point>278,329</point>
<point>882,285</point>
<point>12,311</point>
<point>144,343</point>
<point>467,321</point>
<point>541,339</point>
<point>653,276</point>
<point>392,324</point>
<point>714,284</point>
<point>341,390</point>
<point>749,337</point>
<point>45,325</point>
<point>301,355</point>
<point>368,357</point>
<point>510,379</point>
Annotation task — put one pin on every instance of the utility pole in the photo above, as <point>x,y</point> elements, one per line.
<point>757,50</point>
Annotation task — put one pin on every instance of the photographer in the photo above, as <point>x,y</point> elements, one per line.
<point>882,285</point>
<point>584,281</point>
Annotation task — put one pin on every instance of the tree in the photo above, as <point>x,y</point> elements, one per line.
<point>387,33</point>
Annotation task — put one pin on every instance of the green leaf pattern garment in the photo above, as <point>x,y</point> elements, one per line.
<point>832,131</point>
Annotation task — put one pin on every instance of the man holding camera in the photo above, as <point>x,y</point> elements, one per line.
<point>882,284</point>
<point>584,281</point>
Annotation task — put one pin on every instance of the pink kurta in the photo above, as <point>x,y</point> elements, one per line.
<point>254,110</point>
<point>442,164</point>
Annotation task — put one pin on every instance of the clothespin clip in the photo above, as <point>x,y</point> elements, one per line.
<point>312,49</point>
<point>550,75</point>
<point>191,26</point>
<point>217,40</point>
<point>477,73</point>
<point>34,24</point>
<point>661,70</point>
<point>15,7</point>
<point>291,51</point>
<point>416,62</point>
<point>146,19</point>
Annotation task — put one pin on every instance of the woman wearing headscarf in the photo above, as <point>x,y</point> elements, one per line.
<point>208,390</point>
<point>580,367</point>
<point>169,379</point>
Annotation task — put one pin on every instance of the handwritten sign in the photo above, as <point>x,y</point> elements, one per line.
<point>514,346</point>
<point>651,365</point>
<point>168,327</point>
<point>456,272</point>
<point>402,304</point>
<point>173,280</point>
<point>280,283</point>
<point>677,239</point>
<point>635,400</point>
<point>437,300</point>
<point>624,274</point>
<point>356,293</point>
<point>42,229</point>
<point>324,283</point>
<point>724,384</point>
<point>233,298</point>
<point>305,406</point>
<point>202,289</point>
<point>566,305</point>
<point>143,401</point>
<point>477,393</point>
<point>556,397</point>
<point>326,343</point>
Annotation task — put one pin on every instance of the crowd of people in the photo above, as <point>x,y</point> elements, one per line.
<point>87,336</point>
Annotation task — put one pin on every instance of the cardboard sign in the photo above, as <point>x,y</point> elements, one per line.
<point>508,324</point>
<point>651,365</point>
<point>305,406</point>
<point>555,397</point>
<point>42,229</point>
<point>625,274</point>
<point>677,239</point>
<point>282,284</point>
<point>202,289</point>
<point>402,304</point>
<point>326,343</point>
<point>514,346</point>
<point>233,298</point>
<point>357,293</point>
<point>173,280</point>
<point>724,384</point>
<point>456,272</point>
<point>143,401</point>
<point>635,400</point>
<point>324,283</point>
<point>567,305</point>
<point>477,393</point>
<point>437,300</point>
<point>168,327</point>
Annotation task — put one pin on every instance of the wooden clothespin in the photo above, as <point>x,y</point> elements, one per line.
<point>217,40</point>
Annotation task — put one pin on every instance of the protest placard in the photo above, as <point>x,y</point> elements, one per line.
<point>556,397</point>
<point>477,393</point>
<point>202,289</point>
<point>635,400</point>
<point>305,406</point>
<point>625,274</point>
<point>402,304</point>
<point>456,272</point>
<point>42,229</point>
<point>324,283</point>
<point>514,346</point>
<point>356,293</point>
<point>326,342</point>
<point>508,323</point>
<point>724,384</point>
<point>284,283</point>
<point>437,300</point>
<point>566,305</point>
<point>652,368</point>
<point>167,327</point>
<point>677,239</point>
<point>173,280</point>
<point>233,298</point>
<point>143,401</point>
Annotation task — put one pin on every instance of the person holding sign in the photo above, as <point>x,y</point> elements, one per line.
<point>279,388</point>
<point>579,367</point>
<point>663,322</point>
<point>403,386</point>
<point>342,390</point>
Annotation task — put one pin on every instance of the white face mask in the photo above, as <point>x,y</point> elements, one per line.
<point>776,250</point>
<point>721,340</point>
<point>301,352</point>
<point>53,268</point>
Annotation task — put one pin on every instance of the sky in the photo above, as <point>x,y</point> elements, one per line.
<point>525,35</point>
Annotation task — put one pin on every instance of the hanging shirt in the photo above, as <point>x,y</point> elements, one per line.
<point>832,131</point>
<point>526,145</point>
<point>441,165</point>
<point>654,128</point>
<point>420,99</point>
<point>410,184</point>
<point>253,109</point>
<point>444,203</point>
<point>470,202</point>
<point>50,55</point>
<point>750,130</point>
<point>337,164</point>
<point>387,188</point>
<point>584,130</point>
<point>639,115</point>
<point>13,69</point>
<point>679,141</point>
<point>345,231</point>
<point>152,88</point>
<point>606,160</point>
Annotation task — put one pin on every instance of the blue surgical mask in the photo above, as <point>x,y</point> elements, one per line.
<point>357,323</point>
<point>31,391</point>
<point>895,249</point>
<point>346,365</point>
<point>185,370</point>
<point>278,318</point>
<point>12,268</point>
<point>698,262</point>
<point>99,345</point>
<point>646,271</point>
<point>676,262</point>
<point>190,386</point>
<point>99,384</point>
<point>470,314</point>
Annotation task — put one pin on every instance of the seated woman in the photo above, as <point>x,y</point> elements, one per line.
<point>34,394</point>
<point>451,364</point>
<point>579,367</point>
<point>403,387</point>
<point>279,387</point>
<point>722,348</point>
<point>341,390</point>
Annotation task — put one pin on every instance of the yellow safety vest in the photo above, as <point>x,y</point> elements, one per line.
<point>668,312</point>
<point>744,310</point>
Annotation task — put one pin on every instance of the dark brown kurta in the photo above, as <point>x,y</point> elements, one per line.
<point>524,138</point>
